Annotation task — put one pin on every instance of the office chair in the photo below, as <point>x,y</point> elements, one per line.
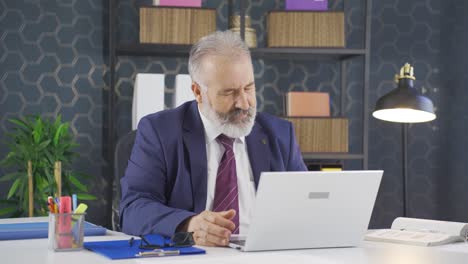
<point>123,150</point>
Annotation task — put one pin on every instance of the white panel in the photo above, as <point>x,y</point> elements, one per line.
<point>148,96</point>
<point>183,89</point>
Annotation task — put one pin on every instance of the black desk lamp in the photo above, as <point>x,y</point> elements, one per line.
<point>404,105</point>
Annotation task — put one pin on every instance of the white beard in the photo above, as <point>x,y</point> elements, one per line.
<point>223,121</point>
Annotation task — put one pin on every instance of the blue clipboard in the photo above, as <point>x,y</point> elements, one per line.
<point>40,230</point>
<point>121,249</point>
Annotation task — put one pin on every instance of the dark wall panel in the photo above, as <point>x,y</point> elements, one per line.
<point>52,61</point>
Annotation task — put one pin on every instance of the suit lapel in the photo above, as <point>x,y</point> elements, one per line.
<point>194,143</point>
<point>258,148</point>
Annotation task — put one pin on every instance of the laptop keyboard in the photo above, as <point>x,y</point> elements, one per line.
<point>239,242</point>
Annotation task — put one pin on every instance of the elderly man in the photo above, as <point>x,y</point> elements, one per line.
<point>196,168</point>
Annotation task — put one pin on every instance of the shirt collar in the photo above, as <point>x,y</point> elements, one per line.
<point>211,131</point>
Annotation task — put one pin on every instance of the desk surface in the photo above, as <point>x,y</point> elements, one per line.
<point>35,251</point>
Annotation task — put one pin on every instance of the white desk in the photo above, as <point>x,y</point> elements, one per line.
<point>35,251</point>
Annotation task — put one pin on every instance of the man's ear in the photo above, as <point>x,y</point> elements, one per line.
<point>196,89</point>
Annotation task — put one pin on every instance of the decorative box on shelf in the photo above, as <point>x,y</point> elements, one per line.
<point>175,25</point>
<point>250,33</point>
<point>321,5</point>
<point>183,3</point>
<point>321,134</point>
<point>307,104</point>
<point>306,29</point>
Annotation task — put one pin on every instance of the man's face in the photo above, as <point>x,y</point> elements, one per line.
<point>229,95</point>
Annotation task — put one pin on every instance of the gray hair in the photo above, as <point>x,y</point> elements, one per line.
<point>222,43</point>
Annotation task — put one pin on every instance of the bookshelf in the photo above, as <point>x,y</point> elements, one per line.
<point>167,50</point>
<point>341,55</point>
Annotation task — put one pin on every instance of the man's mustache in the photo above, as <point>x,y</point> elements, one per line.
<point>236,112</point>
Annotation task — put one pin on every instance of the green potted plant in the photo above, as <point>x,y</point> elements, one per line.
<point>44,144</point>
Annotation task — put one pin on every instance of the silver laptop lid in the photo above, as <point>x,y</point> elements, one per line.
<point>312,209</point>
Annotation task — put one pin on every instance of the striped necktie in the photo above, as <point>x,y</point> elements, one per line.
<point>226,191</point>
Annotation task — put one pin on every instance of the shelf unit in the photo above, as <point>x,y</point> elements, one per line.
<point>336,54</point>
<point>167,50</point>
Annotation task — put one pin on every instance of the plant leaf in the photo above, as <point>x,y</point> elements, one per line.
<point>84,196</point>
<point>38,130</point>
<point>5,201</point>
<point>57,122</point>
<point>50,177</point>
<point>77,183</point>
<point>7,210</point>
<point>11,176</point>
<point>62,129</point>
<point>13,188</point>
<point>19,123</point>
<point>43,141</point>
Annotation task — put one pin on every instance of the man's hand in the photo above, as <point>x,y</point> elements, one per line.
<point>212,228</point>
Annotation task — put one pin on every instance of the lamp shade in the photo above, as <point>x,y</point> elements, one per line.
<point>404,104</point>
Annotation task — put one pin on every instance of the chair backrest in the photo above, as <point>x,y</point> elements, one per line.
<point>183,92</point>
<point>148,96</point>
<point>123,150</point>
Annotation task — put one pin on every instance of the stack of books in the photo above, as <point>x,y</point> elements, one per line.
<point>318,134</point>
<point>175,25</point>
<point>315,130</point>
<point>306,29</point>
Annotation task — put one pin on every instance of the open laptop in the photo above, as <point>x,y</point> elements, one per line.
<point>312,209</point>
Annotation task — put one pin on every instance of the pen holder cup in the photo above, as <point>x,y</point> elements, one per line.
<point>66,231</point>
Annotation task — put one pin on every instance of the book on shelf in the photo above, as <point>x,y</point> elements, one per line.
<point>332,168</point>
<point>321,134</point>
<point>306,29</point>
<point>420,232</point>
<point>307,104</point>
<point>175,25</point>
<point>324,166</point>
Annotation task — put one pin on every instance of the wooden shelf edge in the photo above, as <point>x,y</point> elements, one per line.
<point>257,53</point>
<point>306,53</point>
<point>331,155</point>
<point>164,50</point>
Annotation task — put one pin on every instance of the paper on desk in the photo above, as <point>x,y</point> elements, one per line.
<point>432,226</point>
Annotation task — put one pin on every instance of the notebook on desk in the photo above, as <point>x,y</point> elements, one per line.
<point>124,249</point>
<point>314,209</point>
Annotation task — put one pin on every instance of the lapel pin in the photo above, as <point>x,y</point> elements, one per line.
<point>264,141</point>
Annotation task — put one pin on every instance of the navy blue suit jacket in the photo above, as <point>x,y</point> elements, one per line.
<point>166,178</point>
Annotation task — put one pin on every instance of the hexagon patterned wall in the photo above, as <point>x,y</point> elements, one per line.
<point>52,61</point>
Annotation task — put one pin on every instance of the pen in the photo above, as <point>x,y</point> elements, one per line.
<point>74,201</point>
<point>51,204</point>
<point>158,253</point>
<point>56,204</point>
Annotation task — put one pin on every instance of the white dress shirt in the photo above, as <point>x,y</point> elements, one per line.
<point>245,180</point>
